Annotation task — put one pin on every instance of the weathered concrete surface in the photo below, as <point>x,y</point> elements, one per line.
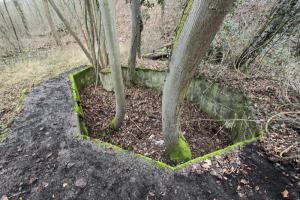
<point>42,159</point>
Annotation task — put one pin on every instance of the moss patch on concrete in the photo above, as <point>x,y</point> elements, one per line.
<point>78,81</point>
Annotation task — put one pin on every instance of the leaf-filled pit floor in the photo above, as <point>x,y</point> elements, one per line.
<point>141,130</point>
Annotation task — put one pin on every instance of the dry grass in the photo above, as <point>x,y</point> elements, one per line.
<point>26,71</point>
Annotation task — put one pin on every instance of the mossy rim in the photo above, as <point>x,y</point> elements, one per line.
<point>84,131</point>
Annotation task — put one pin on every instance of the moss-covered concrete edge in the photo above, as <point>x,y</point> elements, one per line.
<point>84,133</point>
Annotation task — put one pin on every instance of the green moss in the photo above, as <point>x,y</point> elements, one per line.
<point>181,152</point>
<point>106,70</point>
<point>182,21</point>
<point>24,92</point>
<point>113,124</point>
<point>84,78</point>
<point>120,150</point>
<point>216,153</point>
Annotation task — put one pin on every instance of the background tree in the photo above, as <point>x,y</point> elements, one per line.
<point>136,30</point>
<point>51,23</point>
<point>198,31</point>
<point>12,25</point>
<point>285,15</point>
<point>92,32</point>
<point>22,16</point>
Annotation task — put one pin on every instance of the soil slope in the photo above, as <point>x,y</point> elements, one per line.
<point>42,159</point>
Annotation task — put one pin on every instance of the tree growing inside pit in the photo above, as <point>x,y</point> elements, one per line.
<point>100,25</point>
<point>199,29</point>
<point>107,8</point>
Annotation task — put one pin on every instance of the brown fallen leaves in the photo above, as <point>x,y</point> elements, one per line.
<point>141,130</point>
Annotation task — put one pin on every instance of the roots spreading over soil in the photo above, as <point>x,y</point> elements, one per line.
<point>141,130</point>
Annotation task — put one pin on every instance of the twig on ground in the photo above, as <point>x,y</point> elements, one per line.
<point>288,149</point>
<point>276,115</point>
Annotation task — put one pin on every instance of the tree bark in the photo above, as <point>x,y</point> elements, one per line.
<point>38,12</point>
<point>22,16</point>
<point>51,23</point>
<point>198,31</point>
<point>109,22</point>
<point>90,29</point>
<point>136,21</point>
<point>284,15</point>
<point>12,25</point>
<point>66,23</point>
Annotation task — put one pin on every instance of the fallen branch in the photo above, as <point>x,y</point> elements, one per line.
<point>276,115</point>
<point>288,149</point>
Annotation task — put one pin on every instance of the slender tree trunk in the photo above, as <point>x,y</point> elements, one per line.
<point>90,28</point>
<point>109,22</point>
<point>22,16</point>
<point>38,12</point>
<point>51,23</point>
<point>4,33</point>
<point>198,31</point>
<point>285,15</point>
<point>66,23</point>
<point>75,14</point>
<point>12,25</point>
<point>135,37</point>
<point>3,18</point>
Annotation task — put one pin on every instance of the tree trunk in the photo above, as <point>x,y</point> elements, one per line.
<point>68,26</point>
<point>198,31</point>
<point>179,27</point>
<point>3,18</point>
<point>284,15</point>
<point>135,37</point>
<point>38,12</point>
<point>22,16</point>
<point>51,23</point>
<point>109,22</point>
<point>90,29</point>
<point>12,25</point>
<point>6,36</point>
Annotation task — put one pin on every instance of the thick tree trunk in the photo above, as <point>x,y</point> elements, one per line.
<point>109,22</point>
<point>12,25</point>
<point>51,23</point>
<point>284,15</point>
<point>22,16</point>
<point>181,22</point>
<point>135,37</point>
<point>198,31</point>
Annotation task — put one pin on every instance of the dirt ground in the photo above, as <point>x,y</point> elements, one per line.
<point>141,130</point>
<point>43,159</point>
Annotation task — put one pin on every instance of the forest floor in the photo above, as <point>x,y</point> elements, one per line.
<point>21,72</point>
<point>43,158</point>
<point>141,130</point>
<point>275,96</point>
